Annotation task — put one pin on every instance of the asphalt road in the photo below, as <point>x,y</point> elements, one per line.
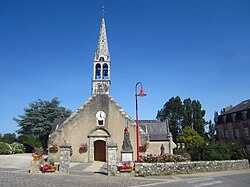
<point>240,178</point>
<point>14,172</point>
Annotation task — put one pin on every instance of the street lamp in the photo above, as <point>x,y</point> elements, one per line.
<point>141,94</point>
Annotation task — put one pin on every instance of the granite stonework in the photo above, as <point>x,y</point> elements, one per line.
<point>147,169</point>
<point>65,157</point>
<point>35,166</point>
<point>112,158</point>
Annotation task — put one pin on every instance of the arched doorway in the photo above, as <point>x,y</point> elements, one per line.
<point>100,150</point>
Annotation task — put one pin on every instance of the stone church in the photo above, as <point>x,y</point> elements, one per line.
<point>101,119</point>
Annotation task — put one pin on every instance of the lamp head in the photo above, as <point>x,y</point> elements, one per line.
<point>142,93</point>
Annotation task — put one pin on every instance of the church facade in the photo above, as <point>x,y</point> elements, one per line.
<point>100,119</point>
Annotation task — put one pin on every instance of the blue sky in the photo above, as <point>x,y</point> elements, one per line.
<point>188,48</point>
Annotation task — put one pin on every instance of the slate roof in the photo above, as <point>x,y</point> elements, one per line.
<point>244,105</point>
<point>56,124</point>
<point>156,129</point>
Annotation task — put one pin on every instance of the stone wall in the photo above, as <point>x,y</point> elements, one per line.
<point>146,169</point>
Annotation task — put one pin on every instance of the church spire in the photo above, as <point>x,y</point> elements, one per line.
<point>102,46</point>
<point>101,68</point>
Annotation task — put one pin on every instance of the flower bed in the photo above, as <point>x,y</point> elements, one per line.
<point>150,158</point>
<point>125,167</point>
<point>48,168</point>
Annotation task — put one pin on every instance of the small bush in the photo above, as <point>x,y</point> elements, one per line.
<point>17,147</point>
<point>236,151</point>
<point>214,151</point>
<point>164,158</point>
<point>5,148</point>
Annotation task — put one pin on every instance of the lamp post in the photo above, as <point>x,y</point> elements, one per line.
<point>141,94</point>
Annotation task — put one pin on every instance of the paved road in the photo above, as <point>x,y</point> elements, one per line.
<point>16,174</point>
<point>19,161</point>
<point>240,178</point>
<point>14,177</point>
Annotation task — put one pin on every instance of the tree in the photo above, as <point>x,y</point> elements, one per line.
<point>187,113</point>
<point>30,142</point>
<point>190,138</point>
<point>172,111</point>
<point>39,117</point>
<point>198,117</point>
<point>181,115</point>
<point>9,138</point>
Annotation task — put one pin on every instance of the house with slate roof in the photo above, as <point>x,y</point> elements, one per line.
<point>233,125</point>
<point>158,135</point>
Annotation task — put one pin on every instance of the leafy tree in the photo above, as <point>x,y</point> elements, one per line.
<point>9,138</point>
<point>211,131</point>
<point>39,117</point>
<point>187,113</point>
<point>190,137</point>
<point>172,111</point>
<point>181,115</point>
<point>198,117</point>
<point>29,142</point>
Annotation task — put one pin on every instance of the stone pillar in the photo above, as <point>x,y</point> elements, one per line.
<point>112,156</point>
<point>170,143</point>
<point>35,166</point>
<point>65,149</point>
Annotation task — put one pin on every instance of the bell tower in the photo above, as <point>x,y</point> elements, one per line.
<point>101,67</point>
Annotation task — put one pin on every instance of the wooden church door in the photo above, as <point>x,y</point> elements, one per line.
<point>100,150</point>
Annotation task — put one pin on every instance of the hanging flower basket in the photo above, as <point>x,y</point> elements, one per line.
<point>83,148</point>
<point>53,149</point>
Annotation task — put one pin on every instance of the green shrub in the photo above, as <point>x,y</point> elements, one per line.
<point>17,147</point>
<point>5,148</point>
<point>29,142</point>
<point>236,151</point>
<point>215,151</point>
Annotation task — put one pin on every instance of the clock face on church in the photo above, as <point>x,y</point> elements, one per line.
<point>100,115</point>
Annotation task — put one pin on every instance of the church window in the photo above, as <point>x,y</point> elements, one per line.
<point>105,71</point>
<point>101,59</point>
<point>98,71</point>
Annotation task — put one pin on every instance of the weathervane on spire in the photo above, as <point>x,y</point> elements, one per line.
<point>103,11</point>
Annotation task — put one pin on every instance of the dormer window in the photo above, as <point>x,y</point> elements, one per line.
<point>101,59</point>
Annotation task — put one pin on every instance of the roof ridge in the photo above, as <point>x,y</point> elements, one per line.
<point>121,110</point>
<point>73,115</point>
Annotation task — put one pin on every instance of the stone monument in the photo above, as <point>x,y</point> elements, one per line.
<point>127,149</point>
